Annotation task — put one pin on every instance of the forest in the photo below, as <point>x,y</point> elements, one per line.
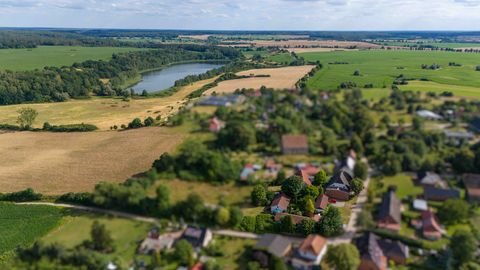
<point>82,79</point>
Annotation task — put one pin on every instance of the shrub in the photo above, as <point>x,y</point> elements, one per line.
<point>21,196</point>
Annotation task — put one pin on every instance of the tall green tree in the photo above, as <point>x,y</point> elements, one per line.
<point>259,195</point>
<point>101,239</point>
<point>287,225</point>
<point>343,257</point>
<point>463,245</point>
<point>293,186</point>
<point>320,179</point>
<point>331,223</point>
<point>26,117</point>
<point>184,252</point>
<point>454,211</point>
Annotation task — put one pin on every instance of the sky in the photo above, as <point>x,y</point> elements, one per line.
<point>244,14</point>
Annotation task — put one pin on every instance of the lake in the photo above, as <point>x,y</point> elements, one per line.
<point>165,78</point>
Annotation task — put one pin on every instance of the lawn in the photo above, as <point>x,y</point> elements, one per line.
<point>282,58</point>
<point>233,250</point>
<point>381,67</point>
<point>45,56</point>
<point>404,184</point>
<point>458,90</point>
<point>21,225</point>
<point>231,193</point>
<point>126,234</point>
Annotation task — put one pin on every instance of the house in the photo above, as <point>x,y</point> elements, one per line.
<point>272,166</point>
<point>472,185</point>
<point>389,216</point>
<point>280,204</point>
<point>429,115</point>
<point>340,186</point>
<point>156,242</point>
<point>246,172</point>
<point>348,163</point>
<point>215,125</point>
<point>296,218</point>
<point>395,251</point>
<point>420,205</point>
<point>225,101</point>
<point>274,244</point>
<point>458,137</point>
<point>198,237</point>
<point>310,252</point>
<point>439,194</point>
<point>310,169</point>
<point>375,252</point>
<point>430,226</point>
<point>474,125</point>
<point>305,177</point>
<point>321,203</point>
<point>371,255</point>
<point>430,179</point>
<point>197,266</point>
<point>294,144</point>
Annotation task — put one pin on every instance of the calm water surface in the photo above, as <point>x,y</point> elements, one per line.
<point>163,79</point>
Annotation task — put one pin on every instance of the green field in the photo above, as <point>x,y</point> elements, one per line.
<point>44,56</point>
<point>126,234</point>
<point>21,225</point>
<point>449,45</point>
<point>283,58</point>
<point>382,67</point>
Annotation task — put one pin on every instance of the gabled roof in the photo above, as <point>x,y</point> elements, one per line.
<point>294,141</point>
<point>392,248</point>
<point>321,202</point>
<point>440,194</point>
<point>369,248</point>
<point>390,207</point>
<point>194,235</point>
<point>275,244</point>
<point>472,184</point>
<point>313,244</point>
<point>430,223</point>
<point>305,177</point>
<point>430,178</point>
<point>342,180</point>
<point>281,200</point>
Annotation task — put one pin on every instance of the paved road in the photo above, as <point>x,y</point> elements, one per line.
<point>352,222</point>
<point>237,234</point>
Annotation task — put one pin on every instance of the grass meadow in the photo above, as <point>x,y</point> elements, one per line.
<point>21,225</point>
<point>45,56</point>
<point>380,68</point>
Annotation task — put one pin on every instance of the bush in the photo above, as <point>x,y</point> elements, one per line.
<point>21,196</point>
<point>69,128</point>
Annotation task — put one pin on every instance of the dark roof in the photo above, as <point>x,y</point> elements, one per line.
<point>275,244</point>
<point>342,180</point>
<point>321,202</point>
<point>294,141</point>
<point>471,180</point>
<point>439,194</point>
<point>390,207</point>
<point>194,235</point>
<point>369,248</point>
<point>392,248</point>
<point>475,124</point>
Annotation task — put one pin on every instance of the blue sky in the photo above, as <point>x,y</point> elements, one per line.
<point>245,14</point>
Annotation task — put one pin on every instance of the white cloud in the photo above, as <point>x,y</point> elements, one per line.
<point>245,14</point>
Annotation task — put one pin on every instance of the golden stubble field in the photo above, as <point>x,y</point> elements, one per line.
<point>103,112</point>
<point>56,163</point>
<point>280,78</point>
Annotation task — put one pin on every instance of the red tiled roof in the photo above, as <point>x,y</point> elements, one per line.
<point>305,177</point>
<point>429,222</point>
<point>294,141</point>
<point>321,202</point>
<point>313,244</point>
<point>281,201</point>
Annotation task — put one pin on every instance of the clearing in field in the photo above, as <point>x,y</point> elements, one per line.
<point>280,78</point>
<point>56,163</point>
<point>103,112</point>
<point>230,193</point>
<point>381,67</point>
<point>57,56</point>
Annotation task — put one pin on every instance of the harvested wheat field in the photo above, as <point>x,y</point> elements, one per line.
<point>299,43</point>
<point>280,78</point>
<point>56,163</point>
<point>103,112</point>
